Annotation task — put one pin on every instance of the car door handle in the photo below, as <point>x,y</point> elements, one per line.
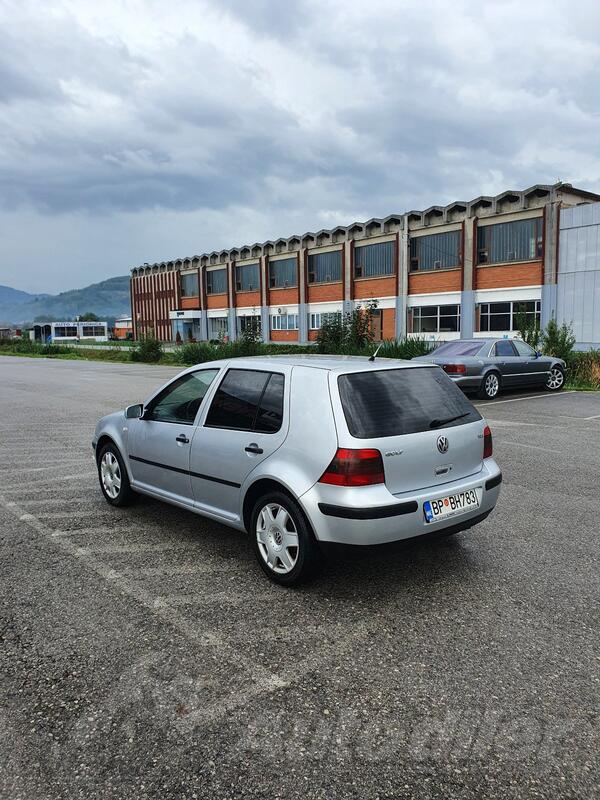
<point>254,448</point>
<point>182,438</point>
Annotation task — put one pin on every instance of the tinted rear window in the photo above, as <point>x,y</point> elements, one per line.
<point>505,348</point>
<point>398,401</point>
<point>458,349</point>
<point>248,400</point>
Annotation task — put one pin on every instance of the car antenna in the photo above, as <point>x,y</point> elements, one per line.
<point>372,357</point>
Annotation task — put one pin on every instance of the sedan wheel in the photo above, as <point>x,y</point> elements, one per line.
<point>283,542</point>
<point>556,379</point>
<point>490,386</point>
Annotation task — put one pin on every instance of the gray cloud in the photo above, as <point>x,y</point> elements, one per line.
<point>194,125</point>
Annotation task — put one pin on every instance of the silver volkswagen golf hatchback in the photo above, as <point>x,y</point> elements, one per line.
<point>301,451</point>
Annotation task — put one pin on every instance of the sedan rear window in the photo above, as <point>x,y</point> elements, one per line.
<point>398,401</point>
<point>458,349</point>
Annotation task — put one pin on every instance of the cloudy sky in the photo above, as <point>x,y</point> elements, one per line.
<point>137,131</point>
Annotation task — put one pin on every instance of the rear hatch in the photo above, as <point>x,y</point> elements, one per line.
<point>427,431</point>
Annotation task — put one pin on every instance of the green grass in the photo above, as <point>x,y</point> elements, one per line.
<point>583,369</point>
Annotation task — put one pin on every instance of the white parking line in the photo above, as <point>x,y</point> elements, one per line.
<point>262,679</point>
<point>176,600</point>
<point>596,416</point>
<point>174,570</point>
<point>162,547</point>
<point>519,399</point>
<point>525,444</point>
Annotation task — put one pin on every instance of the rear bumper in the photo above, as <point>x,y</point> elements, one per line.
<point>372,515</point>
<point>466,381</point>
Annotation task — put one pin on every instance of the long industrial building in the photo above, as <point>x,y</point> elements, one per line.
<point>460,270</point>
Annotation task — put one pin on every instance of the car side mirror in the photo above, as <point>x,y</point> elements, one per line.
<point>134,412</point>
<point>538,354</point>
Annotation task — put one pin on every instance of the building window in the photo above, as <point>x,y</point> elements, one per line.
<point>505,316</point>
<point>93,330</point>
<point>436,251</point>
<point>189,285</point>
<point>216,281</point>
<point>509,241</point>
<point>436,319</point>
<point>283,273</point>
<point>325,267</point>
<point>249,323</point>
<point>65,331</point>
<point>218,327</point>
<point>316,320</point>
<point>247,278</point>
<point>284,322</point>
<point>372,260</point>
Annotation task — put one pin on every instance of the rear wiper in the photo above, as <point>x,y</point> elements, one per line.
<point>437,423</point>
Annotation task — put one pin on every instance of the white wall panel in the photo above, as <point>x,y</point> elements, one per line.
<point>578,291</point>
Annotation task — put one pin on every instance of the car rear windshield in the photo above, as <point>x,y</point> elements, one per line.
<point>458,349</point>
<point>398,401</point>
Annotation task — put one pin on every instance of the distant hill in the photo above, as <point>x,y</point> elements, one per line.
<point>107,299</point>
<point>16,296</point>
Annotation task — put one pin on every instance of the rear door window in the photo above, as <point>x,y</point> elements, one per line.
<point>505,348</point>
<point>248,400</point>
<point>400,401</point>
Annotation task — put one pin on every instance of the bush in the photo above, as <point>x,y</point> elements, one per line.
<point>583,369</point>
<point>331,337</point>
<point>529,328</point>
<point>558,341</point>
<point>28,347</point>
<point>405,348</point>
<point>347,333</point>
<point>147,349</point>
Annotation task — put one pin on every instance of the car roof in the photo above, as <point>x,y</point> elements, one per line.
<point>333,363</point>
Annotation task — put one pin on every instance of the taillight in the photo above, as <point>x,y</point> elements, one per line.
<point>487,442</point>
<point>354,468</point>
<point>454,369</point>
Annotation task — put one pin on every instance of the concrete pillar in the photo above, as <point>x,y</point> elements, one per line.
<point>232,324</point>
<point>265,328</point>
<point>203,326</point>
<point>548,304</point>
<point>551,225</point>
<point>302,304</point>
<point>467,295</point>
<point>402,290</point>
<point>467,314</point>
<point>230,301</point>
<point>348,269</point>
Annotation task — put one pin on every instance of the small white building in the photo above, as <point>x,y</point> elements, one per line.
<point>70,332</point>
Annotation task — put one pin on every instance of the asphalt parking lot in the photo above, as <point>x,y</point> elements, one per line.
<point>144,654</point>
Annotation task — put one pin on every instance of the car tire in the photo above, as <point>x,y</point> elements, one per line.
<point>282,539</point>
<point>490,386</point>
<point>556,379</point>
<point>112,474</point>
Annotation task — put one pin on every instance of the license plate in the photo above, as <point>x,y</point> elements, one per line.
<point>451,505</point>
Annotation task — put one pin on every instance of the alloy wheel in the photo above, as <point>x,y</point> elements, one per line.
<point>492,385</point>
<point>110,474</point>
<point>277,538</point>
<point>555,379</point>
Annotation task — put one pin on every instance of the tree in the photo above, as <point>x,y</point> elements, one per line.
<point>558,340</point>
<point>89,317</point>
<point>349,332</point>
<point>528,327</point>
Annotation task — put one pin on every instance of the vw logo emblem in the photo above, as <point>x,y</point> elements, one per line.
<point>442,444</point>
